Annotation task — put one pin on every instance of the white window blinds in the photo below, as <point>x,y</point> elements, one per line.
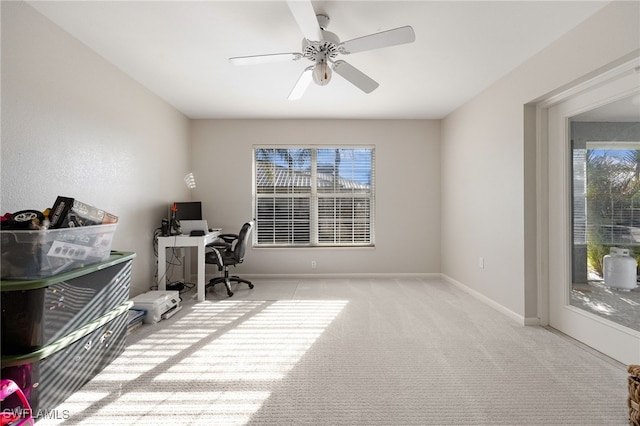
<point>612,193</point>
<point>314,196</point>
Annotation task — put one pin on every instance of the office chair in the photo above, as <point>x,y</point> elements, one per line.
<point>227,251</point>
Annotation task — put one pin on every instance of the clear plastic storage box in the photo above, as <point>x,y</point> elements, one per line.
<point>28,255</point>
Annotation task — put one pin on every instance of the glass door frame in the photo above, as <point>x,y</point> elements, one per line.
<point>554,211</point>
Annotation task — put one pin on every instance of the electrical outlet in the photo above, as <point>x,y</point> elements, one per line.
<point>313,264</point>
<point>481,262</point>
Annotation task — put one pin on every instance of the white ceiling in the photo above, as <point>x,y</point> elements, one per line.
<point>179,50</point>
<point>625,109</point>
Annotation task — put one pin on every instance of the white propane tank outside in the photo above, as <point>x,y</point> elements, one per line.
<point>619,269</point>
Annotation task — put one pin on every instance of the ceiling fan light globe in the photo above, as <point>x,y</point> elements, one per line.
<point>322,74</point>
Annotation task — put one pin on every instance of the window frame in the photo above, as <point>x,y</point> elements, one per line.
<point>314,195</point>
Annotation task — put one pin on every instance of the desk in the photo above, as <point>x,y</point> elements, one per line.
<point>190,242</point>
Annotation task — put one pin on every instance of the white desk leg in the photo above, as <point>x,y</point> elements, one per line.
<point>187,264</point>
<point>162,267</point>
<point>201,266</point>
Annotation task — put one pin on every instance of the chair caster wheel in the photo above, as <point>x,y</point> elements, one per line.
<point>230,293</point>
<point>250,286</point>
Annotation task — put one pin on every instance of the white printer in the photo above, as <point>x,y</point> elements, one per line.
<point>158,305</point>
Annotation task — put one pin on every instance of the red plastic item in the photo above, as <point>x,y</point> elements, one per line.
<point>20,417</point>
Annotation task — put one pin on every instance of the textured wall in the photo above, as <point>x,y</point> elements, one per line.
<point>74,125</point>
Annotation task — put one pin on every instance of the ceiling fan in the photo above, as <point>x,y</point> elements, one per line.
<point>323,47</point>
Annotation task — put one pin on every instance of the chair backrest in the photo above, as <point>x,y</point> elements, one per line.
<point>243,239</point>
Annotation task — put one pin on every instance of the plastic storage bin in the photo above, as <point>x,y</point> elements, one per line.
<point>31,255</point>
<point>37,312</point>
<point>51,374</point>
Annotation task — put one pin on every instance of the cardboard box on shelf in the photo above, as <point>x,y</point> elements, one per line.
<point>68,213</point>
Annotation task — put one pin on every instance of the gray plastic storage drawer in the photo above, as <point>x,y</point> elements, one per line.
<point>51,374</point>
<point>37,312</point>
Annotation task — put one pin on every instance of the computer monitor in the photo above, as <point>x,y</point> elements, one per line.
<point>188,210</point>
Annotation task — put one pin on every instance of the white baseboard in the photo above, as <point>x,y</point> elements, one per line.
<point>481,297</point>
<point>492,303</point>
<point>341,275</point>
<point>532,321</point>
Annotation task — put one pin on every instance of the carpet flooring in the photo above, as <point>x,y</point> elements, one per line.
<point>407,351</point>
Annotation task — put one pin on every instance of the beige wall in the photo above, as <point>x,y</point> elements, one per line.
<point>488,165</point>
<point>407,190</point>
<point>74,125</point>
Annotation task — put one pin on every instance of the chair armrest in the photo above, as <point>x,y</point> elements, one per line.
<point>214,251</point>
<point>228,238</point>
<point>219,245</point>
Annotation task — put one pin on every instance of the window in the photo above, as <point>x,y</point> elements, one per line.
<point>314,196</point>
<point>606,192</point>
<point>606,201</point>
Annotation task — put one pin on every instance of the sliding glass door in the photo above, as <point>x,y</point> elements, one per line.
<point>594,217</point>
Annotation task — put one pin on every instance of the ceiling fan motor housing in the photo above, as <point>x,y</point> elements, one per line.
<point>317,50</point>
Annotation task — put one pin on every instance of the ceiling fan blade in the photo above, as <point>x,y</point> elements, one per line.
<point>355,76</point>
<point>301,85</point>
<point>387,38</point>
<point>263,59</point>
<point>305,16</point>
